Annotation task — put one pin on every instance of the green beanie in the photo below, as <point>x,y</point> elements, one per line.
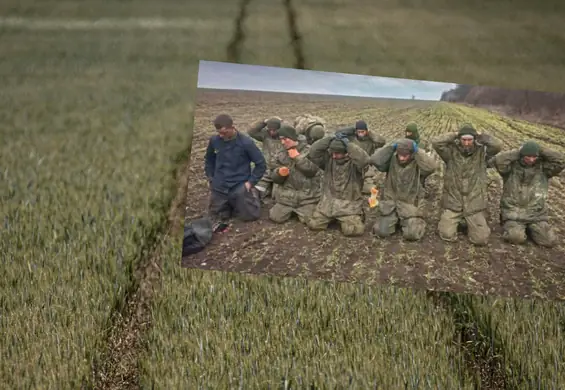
<point>529,148</point>
<point>467,129</point>
<point>337,146</point>
<point>412,128</point>
<point>288,132</point>
<point>273,124</point>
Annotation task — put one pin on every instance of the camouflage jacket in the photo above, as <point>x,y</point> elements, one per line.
<point>272,147</point>
<point>303,184</point>
<point>342,183</point>
<point>525,188</point>
<point>402,190</point>
<point>465,180</point>
<point>369,145</point>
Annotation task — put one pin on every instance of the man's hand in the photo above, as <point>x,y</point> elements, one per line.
<point>284,171</point>
<point>248,186</point>
<point>293,153</point>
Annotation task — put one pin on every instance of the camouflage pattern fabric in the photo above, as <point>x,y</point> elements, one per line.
<point>465,186</point>
<point>342,184</point>
<point>310,126</point>
<point>299,191</point>
<point>523,204</point>
<point>272,149</point>
<point>369,144</point>
<point>400,198</point>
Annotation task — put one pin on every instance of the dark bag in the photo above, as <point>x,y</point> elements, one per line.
<point>197,234</point>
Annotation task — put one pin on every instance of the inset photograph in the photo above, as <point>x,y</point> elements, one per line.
<point>357,178</point>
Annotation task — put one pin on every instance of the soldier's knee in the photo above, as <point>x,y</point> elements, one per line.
<point>543,235</point>
<point>515,236</point>
<point>447,232</point>
<point>479,236</point>
<point>414,231</point>
<point>382,229</point>
<point>352,228</point>
<point>277,216</point>
<point>547,242</point>
<point>314,223</point>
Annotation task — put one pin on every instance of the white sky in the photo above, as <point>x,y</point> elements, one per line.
<point>225,75</point>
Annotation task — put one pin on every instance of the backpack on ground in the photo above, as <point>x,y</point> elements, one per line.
<point>197,234</point>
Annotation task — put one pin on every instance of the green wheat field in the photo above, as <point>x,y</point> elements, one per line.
<point>95,131</point>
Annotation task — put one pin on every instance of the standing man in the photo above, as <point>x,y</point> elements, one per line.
<point>298,180</point>
<point>465,182</point>
<point>369,141</point>
<point>266,132</point>
<point>406,167</point>
<point>523,206</point>
<point>343,164</point>
<point>228,167</point>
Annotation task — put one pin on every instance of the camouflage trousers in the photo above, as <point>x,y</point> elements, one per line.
<point>540,233</point>
<point>243,204</point>
<point>280,213</point>
<point>371,180</point>
<point>476,225</point>
<point>413,229</point>
<point>350,225</point>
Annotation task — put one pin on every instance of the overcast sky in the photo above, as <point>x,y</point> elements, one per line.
<point>224,75</point>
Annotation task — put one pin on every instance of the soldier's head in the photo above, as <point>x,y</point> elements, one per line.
<point>467,136</point>
<point>273,125</point>
<point>316,132</point>
<point>224,126</point>
<point>338,151</point>
<point>288,136</point>
<point>529,152</point>
<point>404,151</point>
<point>361,129</point>
<point>411,131</point>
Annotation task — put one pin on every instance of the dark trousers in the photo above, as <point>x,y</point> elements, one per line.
<point>240,203</point>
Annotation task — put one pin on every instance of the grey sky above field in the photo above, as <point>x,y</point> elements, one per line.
<point>224,75</point>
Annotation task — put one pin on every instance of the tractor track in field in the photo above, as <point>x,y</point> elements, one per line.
<point>119,367</point>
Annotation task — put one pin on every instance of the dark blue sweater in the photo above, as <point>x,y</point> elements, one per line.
<point>228,163</point>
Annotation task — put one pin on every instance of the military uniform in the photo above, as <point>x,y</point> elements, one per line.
<point>342,183</point>
<point>369,144</point>
<point>465,197</point>
<point>299,191</point>
<point>272,148</point>
<point>400,199</point>
<point>523,205</point>
<point>310,126</point>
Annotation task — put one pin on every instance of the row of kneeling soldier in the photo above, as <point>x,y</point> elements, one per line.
<point>324,178</point>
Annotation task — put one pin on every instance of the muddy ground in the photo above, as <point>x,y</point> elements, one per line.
<point>291,249</point>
